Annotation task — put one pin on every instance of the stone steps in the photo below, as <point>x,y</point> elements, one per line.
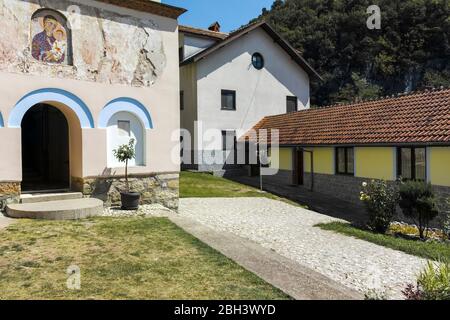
<point>72,209</point>
<point>43,197</point>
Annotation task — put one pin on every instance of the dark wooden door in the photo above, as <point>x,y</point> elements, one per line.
<point>45,150</point>
<point>299,168</point>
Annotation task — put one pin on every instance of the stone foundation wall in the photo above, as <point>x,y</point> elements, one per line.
<point>9,193</point>
<point>156,188</point>
<point>348,188</point>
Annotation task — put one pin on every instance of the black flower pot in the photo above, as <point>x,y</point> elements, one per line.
<point>130,200</point>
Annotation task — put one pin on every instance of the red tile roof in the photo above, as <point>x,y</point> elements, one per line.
<point>422,117</point>
<point>203,32</point>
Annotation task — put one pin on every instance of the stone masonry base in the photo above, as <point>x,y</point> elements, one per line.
<point>9,193</point>
<point>348,188</point>
<point>155,188</point>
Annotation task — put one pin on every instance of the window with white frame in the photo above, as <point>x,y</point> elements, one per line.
<point>122,127</point>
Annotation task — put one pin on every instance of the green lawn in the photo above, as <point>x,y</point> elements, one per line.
<point>428,250</point>
<point>135,258</point>
<point>204,185</point>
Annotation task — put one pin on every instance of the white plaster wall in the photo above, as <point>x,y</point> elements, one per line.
<point>259,93</point>
<point>115,139</point>
<point>161,98</point>
<point>193,45</point>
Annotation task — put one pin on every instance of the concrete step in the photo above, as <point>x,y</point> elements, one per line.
<point>45,197</point>
<point>73,209</point>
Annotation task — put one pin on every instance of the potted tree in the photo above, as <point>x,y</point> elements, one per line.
<point>125,153</point>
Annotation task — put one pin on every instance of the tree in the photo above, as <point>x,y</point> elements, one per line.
<point>410,52</point>
<point>418,203</point>
<point>125,153</point>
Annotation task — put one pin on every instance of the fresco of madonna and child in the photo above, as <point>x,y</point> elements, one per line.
<point>49,42</point>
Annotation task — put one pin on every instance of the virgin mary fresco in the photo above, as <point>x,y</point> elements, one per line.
<point>49,42</point>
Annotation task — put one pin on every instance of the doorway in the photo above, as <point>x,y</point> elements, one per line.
<point>299,168</point>
<point>45,150</point>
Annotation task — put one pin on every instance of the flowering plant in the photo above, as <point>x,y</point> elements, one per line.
<point>381,203</point>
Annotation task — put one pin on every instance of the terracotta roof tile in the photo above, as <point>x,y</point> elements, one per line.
<point>422,117</point>
<point>203,32</point>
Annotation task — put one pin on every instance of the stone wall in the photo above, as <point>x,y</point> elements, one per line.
<point>155,188</point>
<point>108,47</point>
<point>9,193</point>
<point>348,188</point>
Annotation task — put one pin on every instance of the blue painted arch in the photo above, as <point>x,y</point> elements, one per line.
<point>50,95</point>
<point>1,121</point>
<point>125,105</point>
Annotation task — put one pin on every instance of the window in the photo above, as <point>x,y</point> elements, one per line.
<point>291,104</point>
<point>228,140</point>
<point>228,100</point>
<point>181,100</point>
<point>124,128</point>
<point>345,161</point>
<point>121,128</point>
<point>411,163</point>
<point>258,61</point>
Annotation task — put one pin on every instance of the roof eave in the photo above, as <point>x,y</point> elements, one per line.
<point>277,38</point>
<point>153,7</point>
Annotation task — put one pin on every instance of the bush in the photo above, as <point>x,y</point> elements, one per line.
<point>418,203</point>
<point>381,203</point>
<point>445,220</point>
<point>432,284</point>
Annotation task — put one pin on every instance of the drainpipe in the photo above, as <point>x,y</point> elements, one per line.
<point>311,153</point>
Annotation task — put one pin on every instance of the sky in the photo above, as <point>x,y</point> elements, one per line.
<point>231,14</point>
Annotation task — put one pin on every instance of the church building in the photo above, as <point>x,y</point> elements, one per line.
<point>78,79</point>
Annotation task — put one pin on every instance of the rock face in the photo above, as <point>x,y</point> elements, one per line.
<point>103,44</point>
<point>162,189</point>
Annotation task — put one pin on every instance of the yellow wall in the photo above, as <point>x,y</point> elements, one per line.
<point>284,161</point>
<point>323,160</point>
<point>439,163</point>
<point>375,162</point>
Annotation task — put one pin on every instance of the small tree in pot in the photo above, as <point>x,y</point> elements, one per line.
<point>125,153</point>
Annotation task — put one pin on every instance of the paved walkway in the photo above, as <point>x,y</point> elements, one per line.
<point>315,201</point>
<point>290,231</point>
<point>296,280</point>
<point>4,221</point>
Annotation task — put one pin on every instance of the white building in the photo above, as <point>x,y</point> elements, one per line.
<point>229,82</point>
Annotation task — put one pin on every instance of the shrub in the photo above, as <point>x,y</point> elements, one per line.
<point>381,203</point>
<point>418,203</point>
<point>432,284</point>
<point>445,220</point>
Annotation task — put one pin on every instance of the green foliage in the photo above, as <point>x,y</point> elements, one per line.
<point>381,203</point>
<point>433,283</point>
<point>433,250</point>
<point>410,52</point>
<point>418,203</point>
<point>125,152</point>
<point>445,221</point>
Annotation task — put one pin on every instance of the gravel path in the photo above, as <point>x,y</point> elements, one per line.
<point>290,231</point>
